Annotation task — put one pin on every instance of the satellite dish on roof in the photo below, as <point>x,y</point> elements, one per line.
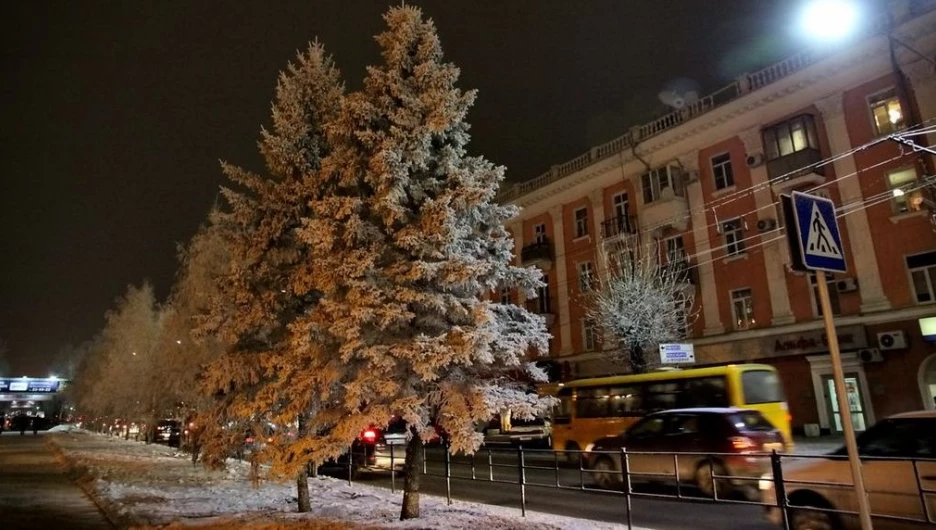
<point>679,92</point>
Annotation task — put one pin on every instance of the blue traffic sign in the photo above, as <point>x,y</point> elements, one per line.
<point>819,238</point>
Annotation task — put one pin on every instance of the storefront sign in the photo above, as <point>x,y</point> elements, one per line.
<point>849,338</point>
<point>29,385</point>
<point>677,354</point>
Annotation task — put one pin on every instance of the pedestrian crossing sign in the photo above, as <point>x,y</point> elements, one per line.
<point>819,237</point>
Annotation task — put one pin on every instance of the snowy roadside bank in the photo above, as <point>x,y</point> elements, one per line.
<point>145,486</point>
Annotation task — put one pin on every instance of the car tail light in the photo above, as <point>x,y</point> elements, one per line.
<point>742,443</point>
<point>370,435</point>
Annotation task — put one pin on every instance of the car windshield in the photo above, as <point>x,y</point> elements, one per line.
<point>750,420</point>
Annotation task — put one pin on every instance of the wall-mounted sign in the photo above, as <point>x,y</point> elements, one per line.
<point>849,338</point>
<point>677,354</point>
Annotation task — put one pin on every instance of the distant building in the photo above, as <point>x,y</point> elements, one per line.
<point>702,182</point>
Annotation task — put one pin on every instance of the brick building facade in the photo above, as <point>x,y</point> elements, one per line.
<point>703,183</point>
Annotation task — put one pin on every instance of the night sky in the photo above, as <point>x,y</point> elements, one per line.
<point>113,116</point>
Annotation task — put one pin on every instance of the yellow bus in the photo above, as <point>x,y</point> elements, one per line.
<point>590,409</point>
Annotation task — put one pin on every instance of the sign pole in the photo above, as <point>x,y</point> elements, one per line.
<point>838,375</point>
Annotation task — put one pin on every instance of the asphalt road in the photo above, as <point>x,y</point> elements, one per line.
<point>657,514</point>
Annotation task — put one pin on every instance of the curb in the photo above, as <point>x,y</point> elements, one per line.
<point>85,483</point>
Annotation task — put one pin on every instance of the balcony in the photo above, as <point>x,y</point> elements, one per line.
<point>534,305</point>
<point>795,170</point>
<point>538,254</point>
<point>619,226</point>
<point>681,270</point>
<point>670,210</point>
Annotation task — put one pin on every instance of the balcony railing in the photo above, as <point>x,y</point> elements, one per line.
<point>619,225</point>
<point>537,251</point>
<point>786,165</point>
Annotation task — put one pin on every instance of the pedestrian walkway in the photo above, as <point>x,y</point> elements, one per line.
<point>35,492</point>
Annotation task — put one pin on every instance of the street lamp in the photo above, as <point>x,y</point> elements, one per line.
<point>829,20</point>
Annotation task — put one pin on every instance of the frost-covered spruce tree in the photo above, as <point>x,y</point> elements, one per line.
<point>408,242</point>
<point>640,301</point>
<point>257,300</point>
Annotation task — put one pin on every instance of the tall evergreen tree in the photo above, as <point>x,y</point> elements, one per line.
<point>257,301</point>
<point>408,242</point>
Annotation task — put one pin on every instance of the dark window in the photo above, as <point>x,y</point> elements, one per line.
<point>661,396</point>
<point>647,428</point>
<point>562,413</point>
<point>626,401</point>
<point>721,170</point>
<point>751,420</point>
<point>704,392</point>
<point>680,424</point>
<point>581,222</point>
<point>591,403</point>
<point>761,386</point>
<point>900,437</point>
<point>733,231</point>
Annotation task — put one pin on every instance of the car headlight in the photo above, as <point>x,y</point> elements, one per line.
<point>766,482</point>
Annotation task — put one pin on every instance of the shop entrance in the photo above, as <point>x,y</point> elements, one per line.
<point>855,402</point>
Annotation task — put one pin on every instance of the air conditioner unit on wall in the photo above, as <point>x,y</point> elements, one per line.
<point>766,225</point>
<point>892,340</point>
<point>870,355</point>
<point>755,159</point>
<point>846,285</point>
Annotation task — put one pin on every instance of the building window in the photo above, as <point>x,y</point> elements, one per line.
<point>586,276</point>
<point>589,334</point>
<point>675,251</point>
<point>923,275</point>
<point>658,182</point>
<point>742,308</point>
<point>624,262</point>
<point>833,296</point>
<point>539,233</point>
<point>542,297</point>
<point>901,183</point>
<point>721,170</point>
<point>790,137</point>
<point>504,295</point>
<point>581,222</point>
<point>733,231</point>
<point>619,203</point>
<point>886,114</point>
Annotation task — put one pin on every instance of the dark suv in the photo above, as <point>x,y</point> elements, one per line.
<point>729,435</point>
<point>169,432</point>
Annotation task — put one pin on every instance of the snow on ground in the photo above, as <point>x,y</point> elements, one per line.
<point>153,485</point>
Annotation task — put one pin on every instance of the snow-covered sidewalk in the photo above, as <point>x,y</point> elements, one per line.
<point>152,485</point>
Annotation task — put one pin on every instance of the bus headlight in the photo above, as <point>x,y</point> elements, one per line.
<point>766,482</point>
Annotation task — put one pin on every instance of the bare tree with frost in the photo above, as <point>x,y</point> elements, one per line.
<point>642,299</point>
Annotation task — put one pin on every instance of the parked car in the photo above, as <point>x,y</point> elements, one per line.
<point>376,448</point>
<point>169,432</point>
<point>535,433</point>
<point>729,435</point>
<point>891,484</point>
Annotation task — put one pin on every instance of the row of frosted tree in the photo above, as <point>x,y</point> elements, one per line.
<point>346,284</point>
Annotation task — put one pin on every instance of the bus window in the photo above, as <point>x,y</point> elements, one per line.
<point>591,403</point>
<point>761,386</point>
<point>562,414</point>
<point>704,392</point>
<point>625,401</point>
<point>661,396</point>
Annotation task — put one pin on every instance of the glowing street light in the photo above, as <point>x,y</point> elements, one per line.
<point>829,20</point>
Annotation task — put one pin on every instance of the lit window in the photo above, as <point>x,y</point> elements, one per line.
<point>581,222</point>
<point>901,183</point>
<point>721,170</point>
<point>886,114</point>
<point>742,307</point>
<point>733,231</point>
<point>790,137</point>
<point>923,275</point>
<point>586,276</point>
<point>589,335</point>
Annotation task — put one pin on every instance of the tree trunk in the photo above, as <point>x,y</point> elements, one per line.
<point>638,362</point>
<point>412,468</point>
<point>302,481</point>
